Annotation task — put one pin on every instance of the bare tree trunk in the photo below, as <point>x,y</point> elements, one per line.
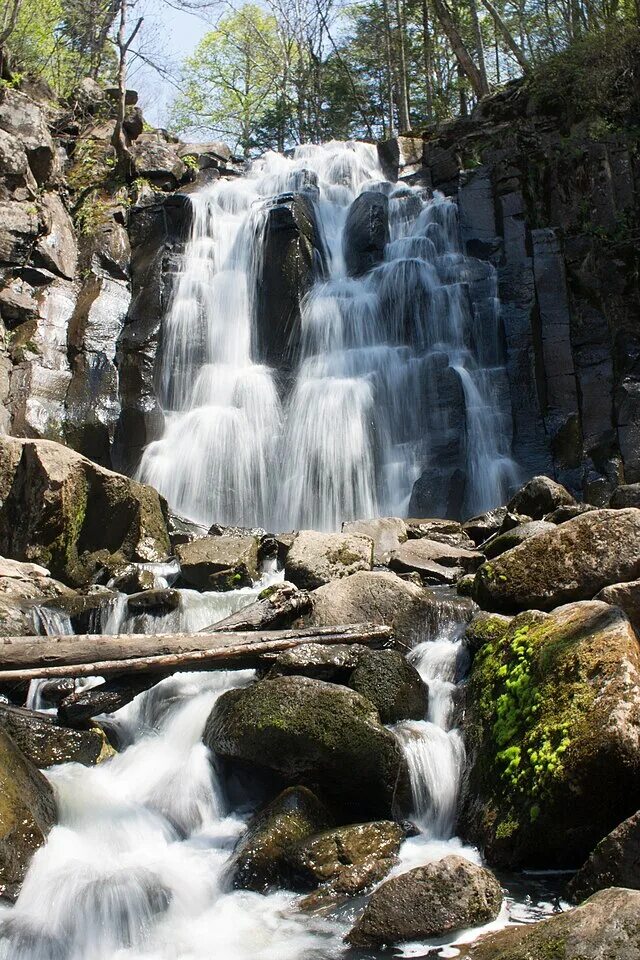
<point>462,54</point>
<point>9,22</point>
<point>124,157</point>
<point>507,36</point>
<point>387,42</point>
<point>482,67</point>
<point>403,86</point>
<point>426,52</point>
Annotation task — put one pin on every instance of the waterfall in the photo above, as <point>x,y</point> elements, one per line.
<point>396,372</point>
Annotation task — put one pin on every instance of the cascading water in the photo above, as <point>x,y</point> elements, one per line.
<point>397,372</point>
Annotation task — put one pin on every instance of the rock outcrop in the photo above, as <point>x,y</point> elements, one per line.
<point>317,558</point>
<point>615,862</point>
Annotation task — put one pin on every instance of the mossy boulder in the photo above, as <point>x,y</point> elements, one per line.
<point>430,901</point>
<point>392,684</point>
<point>260,859</point>
<point>501,542</point>
<point>345,861</point>
<point>553,735</point>
<point>70,515</point>
<point>539,496</point>
<point>317,558</point>
<point>318,734</point>
<point>485,628</point>
<point>27,812</point>
<point>374,597</point>
<point>219,563</point>
<point>334,662</point>
<point>615,862</point>
<point>604,928</point>
<point>45,743</point>
<point>569,562</point>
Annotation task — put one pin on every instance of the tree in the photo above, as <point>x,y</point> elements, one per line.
<point>124,157</point>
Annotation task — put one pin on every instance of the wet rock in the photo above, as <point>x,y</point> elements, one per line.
<point>315,733</point>
<point>374,597</point>
<point>332,662</point>
<point>27,812</point>
<point>553,709</point>
<point>45,743</point>
<point>23,586</point>
<point>568,512</point>
<point>615,862</point>
<point>627,495</point>
<point>464,586</point>
<point>133,579</point>
<point>158,602</point>
<point>261,858</point>
<point>219,563</point>
<point>538,496</point>
<point>606,926</point>
<point>54,504</point>
<point>430,901</point>
<point>366,232</point>
<point>387,534</point>
<point>485,525</point>
<point>501,542</point>
<point>485,628</point>
<point>347,860</point>
<point>626,596</point>
<point>392,684</point>
<point>317,558</point>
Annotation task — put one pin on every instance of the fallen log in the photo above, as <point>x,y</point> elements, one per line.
<point>32,658</point>
<point>277,607</point>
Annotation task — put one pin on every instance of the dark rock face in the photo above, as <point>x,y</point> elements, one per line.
<point>605,926</point>
<point>539,496</point>
<point>315,733</point>
<point>366,232</point>
<point>293,254</point>
<point>392,685</point>
<point>45,743</point>
<point>431,901</point>
<point>615,862</point>
<point>553,709</point>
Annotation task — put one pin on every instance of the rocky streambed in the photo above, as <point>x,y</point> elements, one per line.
<point>480,769</point>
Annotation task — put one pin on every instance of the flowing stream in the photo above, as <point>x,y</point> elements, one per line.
<point>135,868</point>
<point>396,372</point>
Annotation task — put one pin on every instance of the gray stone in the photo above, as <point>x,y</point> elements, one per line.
<point>615,862</point>
<point>219,563</point>
<point>317,558</point>
<point>387,534</point>
<point>502,542</point>
<point>366,232</point>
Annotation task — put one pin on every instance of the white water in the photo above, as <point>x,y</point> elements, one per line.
<point>136,868</point>
<point>395,370</point>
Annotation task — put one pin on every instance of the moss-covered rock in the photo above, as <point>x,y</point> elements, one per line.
<point>501,542</point>
<point>553,735</point>
<point>68,514</point>
<point>260,859</point>
<point>219,563</point>
<point>485,628</point>
<point>27,812</point>
<point>604,928</point>
<point>317,558</point>
<point>45,743</point>
<point>569,562</point>
<point>314,733</point>
<point>392,684</point>
<point>430,901</point>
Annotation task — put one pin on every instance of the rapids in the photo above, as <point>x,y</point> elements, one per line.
<point>398,371</point>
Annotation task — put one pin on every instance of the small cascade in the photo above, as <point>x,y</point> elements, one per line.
<point>398,374</point>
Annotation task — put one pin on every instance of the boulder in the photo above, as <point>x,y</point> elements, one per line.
<point>485,628</point>
<point>315,733</point>
<point>158,161</point>
<point>626,596</point>
<point>260,858</point>
<point>54,505</point>
<point>23,587</point>
<point>219,563</point>
<point>569,562</point>
<point>317,558</point>
<point>14,166</point>
<point>345,861</point>
<point>482,527</point>
<point>538,496</point>
<point>442,531</point>
<point>568,511</point>
<point>392,684</point>
<point>27,812</point>
<point>501,542</point>
<point>20,225</point>
<point>626,495</point>
<point>387,534</point>
<point>23,119</point>
<point>430,901</point>
<point>374,597</point>
<point>334,662</point>
<point>157,602</point>
<point>366,232</point>
<point>603,928</point>
<point>615,862</point>
<point>45,743</point>
<point>553,735</point>
<point>435,562</point>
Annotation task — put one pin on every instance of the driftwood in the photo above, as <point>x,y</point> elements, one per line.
<point>107,697</point>
<point>281,605</point>
<point>31,658</point>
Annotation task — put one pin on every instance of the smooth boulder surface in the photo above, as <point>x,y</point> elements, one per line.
<point>70,515</point>
<point>430,901</point>
<point>604,928</point>
<point>45,743</point>
<point>346,860</point>
<point>626,596</point>
<point>219,563</point>
<point>615,862</point>
<point>317,734</point>
<point>27,812</point>
<point>553,736</point>
<point>374,597</point>
<point>501,542</point>
<point>366,232</point>
<point>387,534</point>
<point>572,561</point>
<point>317,558</point>
<point>392,684</point>
<point>538,496</point>
<point>260,858</point>
<point>434,561</point>
<point>442,531</point>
